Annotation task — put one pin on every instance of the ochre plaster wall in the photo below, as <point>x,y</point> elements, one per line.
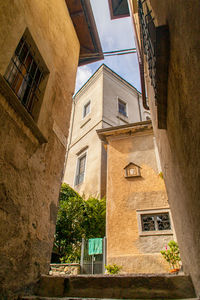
<point>179,144</point>
<point>30,172</point>
<point>137,254</point>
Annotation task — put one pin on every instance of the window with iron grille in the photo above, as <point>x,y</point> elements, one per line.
<point>86,109</point>
<point>80,169</point>
<point>122,108</point>
<point>24,75</point>
<point>156,222</point>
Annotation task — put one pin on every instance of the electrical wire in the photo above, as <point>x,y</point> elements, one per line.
<point>109,53</point>
<point>120,53</point>
<point>130,49</point>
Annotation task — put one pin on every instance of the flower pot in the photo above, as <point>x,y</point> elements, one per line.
<point>174,270</point>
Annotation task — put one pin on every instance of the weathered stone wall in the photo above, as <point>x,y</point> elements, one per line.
<point>64,269</point>
<point>127,247</point>
<point>179,144</point>
<point>31,172</point>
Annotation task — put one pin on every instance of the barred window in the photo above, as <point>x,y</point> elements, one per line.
<point>155,222</point>
<point>24,75</point>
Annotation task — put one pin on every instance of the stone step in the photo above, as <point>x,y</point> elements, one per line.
<point>47,298</point>
<point>151,286</point>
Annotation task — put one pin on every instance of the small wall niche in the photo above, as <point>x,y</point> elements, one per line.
<point>132,170</point>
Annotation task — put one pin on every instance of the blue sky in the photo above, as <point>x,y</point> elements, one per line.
<point>114,35</point>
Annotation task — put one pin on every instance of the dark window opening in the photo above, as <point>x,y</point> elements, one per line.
<point>118,8</point>
<point>122,108</point>
<point>156,222</point>
<point>80,169</point>
<point>86,109</point>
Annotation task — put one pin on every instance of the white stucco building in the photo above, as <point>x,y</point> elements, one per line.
<point>105,100</point>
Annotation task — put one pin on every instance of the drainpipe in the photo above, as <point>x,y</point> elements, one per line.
<point>138,99</point>
<point>144,99</point>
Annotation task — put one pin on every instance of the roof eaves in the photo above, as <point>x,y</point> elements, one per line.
<point>121,127</point>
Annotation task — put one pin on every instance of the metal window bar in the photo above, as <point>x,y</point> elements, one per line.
<point>162,222</point>
<point>148,38</point>
<point>29,85</point>
<point>14,83</point>
<point>157,222</point>
<point>9,72</point>
<point>29,103</point>
<point>34,86</point>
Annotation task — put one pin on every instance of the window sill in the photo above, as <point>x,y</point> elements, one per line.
<point>85,122</point>
<point>14,102</point>
<point>123,118</point>
<point>152,233</point>
<point>77,185</point>
<point>122,115</point>
<point>132,176</point>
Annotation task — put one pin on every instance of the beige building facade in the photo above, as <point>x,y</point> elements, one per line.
<point>138,223</point>
<point>105,100</point>
<point>39,55</point>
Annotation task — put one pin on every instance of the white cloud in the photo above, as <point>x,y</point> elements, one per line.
<point>83,75</point>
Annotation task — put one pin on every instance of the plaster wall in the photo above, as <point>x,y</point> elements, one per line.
<point>114,89</point>
<point>92,93</point>
<point>83,135</point>
<point>31,172</point>
<point>126,196</point>
<point>90,144</point>
<point>179,144</point>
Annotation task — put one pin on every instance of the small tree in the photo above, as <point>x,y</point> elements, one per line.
<point>77,218</point>
<point>172,255</point>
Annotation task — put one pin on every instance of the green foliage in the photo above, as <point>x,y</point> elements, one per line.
<point>94,218</point>
<point>77,218</point>
<point>73,254</point>
<point>66,192</point>
<point>172,255</point>
<point>113,269</point>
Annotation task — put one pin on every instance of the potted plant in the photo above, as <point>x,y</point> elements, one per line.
<point>172,256</point>
<point>113,269</point>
